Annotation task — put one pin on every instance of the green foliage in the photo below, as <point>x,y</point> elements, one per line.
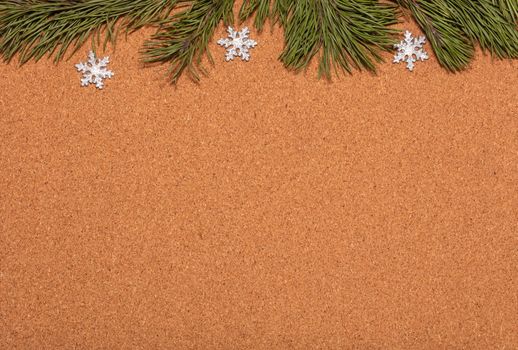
<point>509,9</point>
<point>486,24</point>
<point>261,9</point>
<point>345,34</point>
<point>33,28</point>
<point>183,39</point>
<point>338,28</point>
<point>453,27</point>
<point>452,49</point>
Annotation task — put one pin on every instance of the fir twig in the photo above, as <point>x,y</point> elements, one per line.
<point>350,33</point>
<point>452,49</point>
<point>261,8</point>
<point>184,38</point>
<point>281,11</point>
<point>346,34</point>
<point>33,28</point>
<point>453,27</point>
<point>509,8</point>
<point>485,23</point>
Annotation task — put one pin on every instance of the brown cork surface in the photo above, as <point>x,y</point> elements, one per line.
<point>259,209</point>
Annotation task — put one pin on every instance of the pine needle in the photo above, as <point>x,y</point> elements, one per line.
<point>33,28</point>
<point>349,34</point>
<point>183,39</point>
<point>261,9</point>
<point>346,34</point>
<point>454,27</point>
<point>485,23</point>
<point>509,9</point>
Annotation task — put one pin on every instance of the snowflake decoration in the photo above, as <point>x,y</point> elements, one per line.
<point>237,44</point>
<point>410,50</point>
<point>94,71</point>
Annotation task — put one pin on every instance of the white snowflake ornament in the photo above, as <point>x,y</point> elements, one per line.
<point>237,44</point>
<point>410,50</point>
<point>94,71</point>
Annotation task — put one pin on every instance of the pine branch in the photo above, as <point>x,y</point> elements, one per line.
<point>452,48</point>
<point>509,8</point>
<point>184,38</point>
<point>281,9</point>
<point>33,28</point>
<point>349,33</point>
<point>453,27</point>
<point>261,9</point>
<point>483,22</point>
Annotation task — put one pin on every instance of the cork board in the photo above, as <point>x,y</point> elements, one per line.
<point>259,209</point>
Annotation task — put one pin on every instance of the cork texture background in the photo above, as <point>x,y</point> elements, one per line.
<point>259,209</point>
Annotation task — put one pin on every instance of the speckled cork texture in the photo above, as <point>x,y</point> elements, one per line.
<point>259,209</point>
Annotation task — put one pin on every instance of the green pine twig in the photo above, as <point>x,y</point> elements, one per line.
<point>509,9</point>
<point>453,27</point>
<point>485,23</point>
<point>183,39</point>
<point>33,28</point>
<point>349,34</point>
<point>261,9</point>
<point>452,49</point>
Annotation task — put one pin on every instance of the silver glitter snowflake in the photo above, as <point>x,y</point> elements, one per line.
<point>94,71</point>
<point>410,50</point>
<point>237,44</point>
